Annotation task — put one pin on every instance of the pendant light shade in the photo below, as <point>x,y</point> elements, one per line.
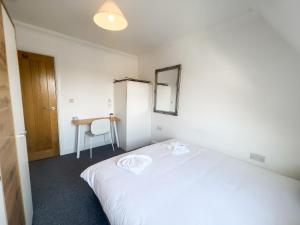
<point>110,17</point>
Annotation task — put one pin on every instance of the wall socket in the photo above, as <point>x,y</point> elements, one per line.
<point>257,157</point>
<point>109,103</point>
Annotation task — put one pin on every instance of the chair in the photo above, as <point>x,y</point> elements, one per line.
<point>98,128</point>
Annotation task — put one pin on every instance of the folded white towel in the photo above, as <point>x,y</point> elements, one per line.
<point>134,163</point>
<point>178,148</point>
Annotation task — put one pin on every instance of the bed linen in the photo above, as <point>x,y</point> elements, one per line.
<point>134,163</point>
<point>203,187</point>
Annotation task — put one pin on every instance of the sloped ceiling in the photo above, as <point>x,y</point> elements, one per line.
<point>283,16</point>
<point>151,22</point>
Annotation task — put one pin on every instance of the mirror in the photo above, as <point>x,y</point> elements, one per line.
<point>167,82</point>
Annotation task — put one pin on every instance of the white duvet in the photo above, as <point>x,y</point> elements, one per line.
<point>202,187</point>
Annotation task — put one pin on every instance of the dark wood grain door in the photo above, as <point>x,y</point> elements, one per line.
<point>39,102</point>
<point>8,154</point>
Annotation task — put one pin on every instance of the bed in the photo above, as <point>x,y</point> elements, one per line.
<point>202,187</point>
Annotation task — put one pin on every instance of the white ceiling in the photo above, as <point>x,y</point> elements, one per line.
<point>283,16</point>
<point>151,22</point>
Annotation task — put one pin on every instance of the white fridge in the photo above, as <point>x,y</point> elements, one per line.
<point>132,104</point>
<point>18,118</point>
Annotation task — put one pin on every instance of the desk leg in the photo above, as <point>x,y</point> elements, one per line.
<point>112,134</point>
<point>78,141</point>
<point>116,134</point>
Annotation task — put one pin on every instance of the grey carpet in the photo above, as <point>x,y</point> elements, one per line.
<point>60,196</point>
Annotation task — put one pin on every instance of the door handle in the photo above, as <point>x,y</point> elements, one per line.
<point>52,108</point>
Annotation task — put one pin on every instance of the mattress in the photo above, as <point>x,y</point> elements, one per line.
<point>202,187</point>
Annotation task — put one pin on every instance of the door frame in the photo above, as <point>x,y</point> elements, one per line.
<point>9,196</point>
<point>57,86</point>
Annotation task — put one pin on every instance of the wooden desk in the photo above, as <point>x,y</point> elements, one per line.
<point>113,129</point>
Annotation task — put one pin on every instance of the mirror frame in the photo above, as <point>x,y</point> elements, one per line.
<point>178,68</point>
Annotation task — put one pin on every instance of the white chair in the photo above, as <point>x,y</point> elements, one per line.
<point>98,128</point>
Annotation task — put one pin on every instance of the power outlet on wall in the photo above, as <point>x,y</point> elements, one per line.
<point>257,157</point>
<point>109,103</point>
<point>153,141</point>
<point>159,128</point>
<point>71,100</point>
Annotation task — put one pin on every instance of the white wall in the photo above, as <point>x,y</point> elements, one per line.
<point>84,72</point>
<point>239,93</point>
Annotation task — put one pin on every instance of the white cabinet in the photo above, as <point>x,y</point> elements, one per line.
<point>132,104</point>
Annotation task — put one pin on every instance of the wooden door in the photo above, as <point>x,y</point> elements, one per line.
<point>39,102</point>
<point>8,155</point>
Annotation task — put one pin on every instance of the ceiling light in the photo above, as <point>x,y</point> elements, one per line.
<point>110,17</point>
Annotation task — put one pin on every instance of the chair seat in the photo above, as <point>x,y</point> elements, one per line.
<point>89,133</point>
